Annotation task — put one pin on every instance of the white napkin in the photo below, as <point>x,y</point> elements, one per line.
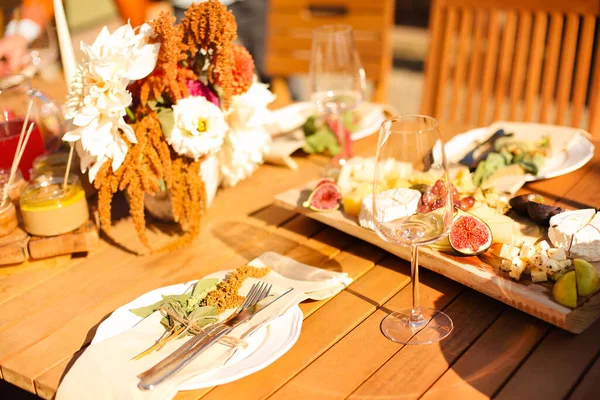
<point>105,369</point>
<point>288,137</point>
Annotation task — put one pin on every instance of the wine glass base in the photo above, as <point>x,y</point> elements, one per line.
<point>399,328</point>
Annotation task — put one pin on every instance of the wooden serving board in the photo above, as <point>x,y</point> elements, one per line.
<point>475,272</point>
<point>18,246</point>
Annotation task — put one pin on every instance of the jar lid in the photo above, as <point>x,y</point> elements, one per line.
<point>46,191</point>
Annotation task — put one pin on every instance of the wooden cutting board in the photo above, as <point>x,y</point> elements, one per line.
<point>19,246</point>
<point>478,273</point>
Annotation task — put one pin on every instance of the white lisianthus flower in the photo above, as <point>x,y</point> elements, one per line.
<point>99,96</point>
<point>242,153</point>
<point>250,109</point>
<point>199,127</point>
<point>247,140</point>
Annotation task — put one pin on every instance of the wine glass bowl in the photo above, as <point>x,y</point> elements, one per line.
<point>337,79</point>
<point>412,205</point>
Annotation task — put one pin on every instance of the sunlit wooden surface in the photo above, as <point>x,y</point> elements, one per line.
<point>50,310</point>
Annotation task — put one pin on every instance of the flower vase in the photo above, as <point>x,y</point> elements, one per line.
<point>159,205</point>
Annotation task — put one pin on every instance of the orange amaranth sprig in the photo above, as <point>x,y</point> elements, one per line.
<point>210,27</point>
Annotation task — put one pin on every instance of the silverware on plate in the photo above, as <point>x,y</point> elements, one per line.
<point>189,351</point>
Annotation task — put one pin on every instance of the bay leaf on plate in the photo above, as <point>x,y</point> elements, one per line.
<point>201,290</point>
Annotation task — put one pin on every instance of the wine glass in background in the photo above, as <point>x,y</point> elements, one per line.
<point>337,81</point>
<point>43,51</point>
<point>407,217</point>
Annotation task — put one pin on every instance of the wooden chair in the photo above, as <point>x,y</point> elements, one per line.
<point>290,25</point>
<point>522,60</point>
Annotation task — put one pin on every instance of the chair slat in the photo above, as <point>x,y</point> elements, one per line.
<point>551,64</point>
<point>432,63</point>
<point>506,58</point>
<point>535,64</point>
<point>584,58</point>
<point>466,27</point>
<point>489,66</point>
<point>447,53</point>
<point>567,61</point>
<point>476,59</point>
<point>594,108</point>
<point>520,69</point>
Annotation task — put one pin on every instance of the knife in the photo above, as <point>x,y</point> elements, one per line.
<point>183,356</point>
<point>480,152</point>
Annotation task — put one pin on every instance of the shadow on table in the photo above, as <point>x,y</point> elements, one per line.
<point>250,241</point>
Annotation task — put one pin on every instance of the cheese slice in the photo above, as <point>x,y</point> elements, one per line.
<point>391,205</point>
<point>578,232</point>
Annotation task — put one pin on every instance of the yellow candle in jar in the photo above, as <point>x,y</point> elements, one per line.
<point>47,210</point>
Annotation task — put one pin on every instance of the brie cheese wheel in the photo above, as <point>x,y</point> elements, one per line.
<point>360,170</point>
<point>578,232</point>
<point>392,204</point>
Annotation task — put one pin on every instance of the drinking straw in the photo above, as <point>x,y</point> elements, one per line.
<point>17,160</point>
<point>68,168</point>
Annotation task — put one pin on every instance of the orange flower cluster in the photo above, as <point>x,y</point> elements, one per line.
<point>243,70</point>
<point>205,34</point>
<point>209,30</point>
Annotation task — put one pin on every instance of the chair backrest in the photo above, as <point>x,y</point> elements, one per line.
<point>290,25</point>
<point>522,60</point>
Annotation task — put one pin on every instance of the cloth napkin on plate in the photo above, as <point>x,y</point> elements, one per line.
<point>287,134</point>
<point>105,370</point>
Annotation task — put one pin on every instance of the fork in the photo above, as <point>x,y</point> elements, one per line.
<point>259,291</point>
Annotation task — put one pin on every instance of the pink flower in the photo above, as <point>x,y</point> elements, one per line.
<point>196,88</point>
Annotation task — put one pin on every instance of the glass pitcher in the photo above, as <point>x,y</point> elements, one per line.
<point>15,94</point>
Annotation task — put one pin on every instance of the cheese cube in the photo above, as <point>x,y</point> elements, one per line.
<point>527,251</point>
<point>514,252</point>
<point>558,254</point>
<point>517,268</point>
<point>536,261</point>
<point>543,245</point>
<point>538,275</point>
<point>505,250</point>
<point>506,264</point>
<point>544,257</point>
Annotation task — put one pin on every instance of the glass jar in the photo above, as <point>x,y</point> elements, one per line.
<point>54,160</point>
<point>48,210</point>
<point>16,188</point>
<point>8,218</point>
<point>15,94</point>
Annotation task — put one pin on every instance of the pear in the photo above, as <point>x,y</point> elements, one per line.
<point>587,277</point>
<point>565,290</point>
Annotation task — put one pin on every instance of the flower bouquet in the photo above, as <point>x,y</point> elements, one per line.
<point>152,105</point>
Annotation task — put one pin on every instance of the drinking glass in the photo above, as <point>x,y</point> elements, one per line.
<point>410,147</point>
<point>337,81</point>
<point>43,51</point>
<point>15,94</point>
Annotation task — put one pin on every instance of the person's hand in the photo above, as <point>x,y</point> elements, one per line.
<point>13,48</point>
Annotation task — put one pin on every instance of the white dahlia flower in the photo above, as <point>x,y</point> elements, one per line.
<point>98,97</point>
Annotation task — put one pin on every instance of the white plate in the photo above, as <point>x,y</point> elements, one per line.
<point>288,118</point>
<point>265,345</point>
<point>571,147</point>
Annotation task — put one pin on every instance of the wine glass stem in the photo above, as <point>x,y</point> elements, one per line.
<point>341,136</point>
<point>416,317</point>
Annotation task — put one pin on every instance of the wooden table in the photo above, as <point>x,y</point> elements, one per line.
<point>50,310</point>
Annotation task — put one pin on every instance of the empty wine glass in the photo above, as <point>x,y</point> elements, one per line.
<point>337,81</point>
<point>410,149</point>
<point>43,51</point>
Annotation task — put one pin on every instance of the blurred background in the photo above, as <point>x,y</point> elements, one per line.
<point>409,43</point>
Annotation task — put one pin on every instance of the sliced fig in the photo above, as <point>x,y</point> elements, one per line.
<point>541,213</point>
<point>325,197</point>
<point>469,235</point>
<point>519,203</point>
<point>324,181</point>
